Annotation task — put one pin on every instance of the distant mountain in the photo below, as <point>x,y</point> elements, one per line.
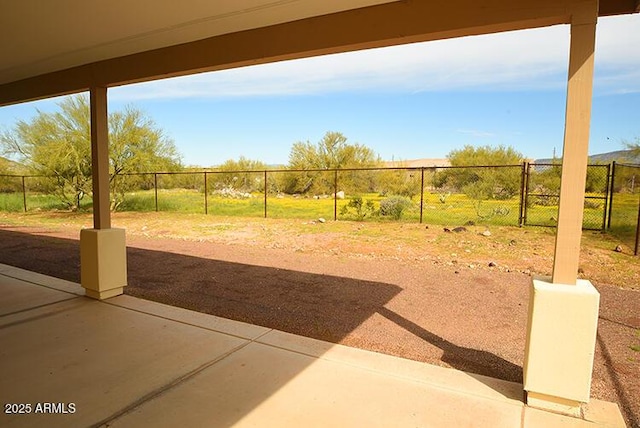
<point>623,156</point>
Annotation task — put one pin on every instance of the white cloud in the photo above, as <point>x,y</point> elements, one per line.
<point>531,59</point>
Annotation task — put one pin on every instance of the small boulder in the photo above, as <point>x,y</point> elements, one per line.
<point>459,229</point>
<point>322,220</point>
<point>446,229</point>
<point>618,249</point>
<point>340,195</point>
<point>486,233</point>
<point>492,264</point>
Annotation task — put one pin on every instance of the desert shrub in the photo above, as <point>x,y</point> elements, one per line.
<point>399,182</point>
<point>358,209</point>
<point>394,206</point>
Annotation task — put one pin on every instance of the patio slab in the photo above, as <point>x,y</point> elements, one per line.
<point>260,385</point>
<point>131,362</point>
<point>18,295</point>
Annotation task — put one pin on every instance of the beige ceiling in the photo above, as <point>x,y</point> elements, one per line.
<point>41,36</point>
<point>57,47</point>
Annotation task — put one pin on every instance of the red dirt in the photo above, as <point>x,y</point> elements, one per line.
<point>453,316</point>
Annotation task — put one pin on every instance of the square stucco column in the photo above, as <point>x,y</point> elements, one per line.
<point>103,262</point>
<point>561,339</point>
<point>103,252</point>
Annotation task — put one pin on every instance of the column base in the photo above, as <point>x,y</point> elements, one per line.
<point>103,262</point>
<point>560,347</point>
<point>102,295</point>
<point>554,404</point>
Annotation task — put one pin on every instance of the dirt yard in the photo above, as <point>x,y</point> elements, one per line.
<point>453,299</point>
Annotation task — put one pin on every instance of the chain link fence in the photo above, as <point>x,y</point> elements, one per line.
<point>542,194</point>
<point>516,195</point>
<point>624,211</point>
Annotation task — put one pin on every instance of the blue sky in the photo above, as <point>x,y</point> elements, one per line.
<point>406,102</point>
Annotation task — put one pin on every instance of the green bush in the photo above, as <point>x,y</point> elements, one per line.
<point>358,209</point>
<point>394,206</point>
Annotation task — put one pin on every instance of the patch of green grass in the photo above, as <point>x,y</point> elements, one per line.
<point>11,202</point>
<point>177,200</point>
<point>458,209</point>
<point>624,217</point>
<point>14,202</point>
<point>635,348</point>
<point>449,209</point>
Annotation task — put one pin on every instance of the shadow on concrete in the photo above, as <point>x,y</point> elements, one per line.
<point>319,306</point>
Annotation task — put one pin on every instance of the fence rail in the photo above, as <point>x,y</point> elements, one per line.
<point>524,195</point>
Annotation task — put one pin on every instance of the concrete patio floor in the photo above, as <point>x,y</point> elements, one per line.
<point>127,362</point>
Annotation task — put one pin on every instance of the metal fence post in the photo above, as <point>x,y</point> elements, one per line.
<point>525,193</point>
<point>611,191</point>
<point>24,194</point>
<point>335,194</point>
<point>206,195</point>
<point>421,192</point>
<point>155,189</point>
<point>522,190</point>
<point>635,251</point>
<point>265,193</point>
<point>606,198</point>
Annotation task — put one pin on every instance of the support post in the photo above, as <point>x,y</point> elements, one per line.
<point>576,146</point>
<point>100,158</point>
<point>563,311</point>
<point>265,193</point>
<point>103,253</point>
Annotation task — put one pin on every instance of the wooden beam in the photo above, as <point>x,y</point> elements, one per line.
<point>576,145</point>
<point>376,26</point>
<point>618,7</point>
<point>100,158</point>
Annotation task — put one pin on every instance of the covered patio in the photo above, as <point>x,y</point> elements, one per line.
<point>58,341</point>
<point>130,362</point>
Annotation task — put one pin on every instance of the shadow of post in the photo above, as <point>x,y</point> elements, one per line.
<point>314,305</point>
<point>625,405</point>
<point>465,359</point>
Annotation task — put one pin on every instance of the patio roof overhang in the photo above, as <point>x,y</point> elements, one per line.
<point>80,46</point>
<point>68,46</point>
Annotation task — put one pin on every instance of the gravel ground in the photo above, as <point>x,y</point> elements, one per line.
<point>449,315</point>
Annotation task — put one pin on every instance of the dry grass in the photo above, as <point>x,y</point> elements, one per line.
<point>528,250</point>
